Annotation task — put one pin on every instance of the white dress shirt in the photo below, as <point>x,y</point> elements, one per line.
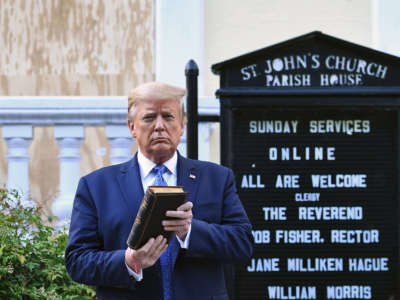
<point>148,178</point>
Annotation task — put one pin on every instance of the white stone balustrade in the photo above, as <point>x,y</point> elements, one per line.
<point>121,144</point>
<point>18,139</point>
<point>69,116</point>
<point>69,139</point>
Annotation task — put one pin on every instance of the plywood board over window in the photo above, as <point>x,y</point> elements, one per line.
<point>74,48</point>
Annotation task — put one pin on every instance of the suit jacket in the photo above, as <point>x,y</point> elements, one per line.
<point>104,210</point>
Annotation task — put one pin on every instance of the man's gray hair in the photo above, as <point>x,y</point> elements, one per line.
<point>155,91</point>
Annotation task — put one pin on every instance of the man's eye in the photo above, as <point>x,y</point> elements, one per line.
<point>169,117</point>
<point>148,118</point>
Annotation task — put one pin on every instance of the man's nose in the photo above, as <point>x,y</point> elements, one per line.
<point>159,123</point>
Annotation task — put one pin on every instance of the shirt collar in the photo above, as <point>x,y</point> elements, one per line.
<point>146,165</point>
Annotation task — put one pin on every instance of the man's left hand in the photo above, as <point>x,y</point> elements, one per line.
<point>182,220</point>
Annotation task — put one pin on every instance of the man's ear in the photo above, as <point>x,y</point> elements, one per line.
<point>182,129</point>
<point>131,126</point>
<point>184,122</point>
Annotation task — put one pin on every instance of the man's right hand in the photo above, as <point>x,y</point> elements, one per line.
<point>147,255</point>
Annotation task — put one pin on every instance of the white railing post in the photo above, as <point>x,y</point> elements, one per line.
<point>69,139</point>
<point>18,139</point>
<point>120,141</point>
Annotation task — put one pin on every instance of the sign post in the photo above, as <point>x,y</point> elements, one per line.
<point>311,129</point>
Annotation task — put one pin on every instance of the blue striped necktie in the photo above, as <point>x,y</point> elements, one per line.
<point>159,170</point>
<point>165,259</point>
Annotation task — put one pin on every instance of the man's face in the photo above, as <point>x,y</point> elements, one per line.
<point>157,127</point>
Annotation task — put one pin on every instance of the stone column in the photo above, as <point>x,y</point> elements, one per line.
<point>69,139</point>
<point>121,142</point>
<point>18,139</point>
<point>171,61</point>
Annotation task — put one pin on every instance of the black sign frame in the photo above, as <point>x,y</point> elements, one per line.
<point>376,95</point>
<point>353,101</point>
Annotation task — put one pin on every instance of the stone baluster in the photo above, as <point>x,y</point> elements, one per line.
<point>69,139</point>
<point>18,139</point>
<point>120,141</point>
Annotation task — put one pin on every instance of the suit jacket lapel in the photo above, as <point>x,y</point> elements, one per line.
<point>131,185</point>
<point>188,177</point>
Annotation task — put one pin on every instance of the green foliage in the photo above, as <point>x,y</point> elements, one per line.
<point>32,255</point>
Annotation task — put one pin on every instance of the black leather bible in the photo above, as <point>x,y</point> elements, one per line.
<point>156,201</point>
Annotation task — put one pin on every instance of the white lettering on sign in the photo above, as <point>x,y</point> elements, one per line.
<point>288,80</point>
<point>264,265</point>
<point>298,236</point>
<point>292,292</point>
<point>330,213</point>
<point>375,264</point>
<point>361,66</point>
<point>339,181</point>
<point>249,72</point>
<point>340,126</point>
<point>309,153</point>
<point>354,236</point>
<point>297,70</point>
<point>292,62</point>
<point>306,197</point>
<point>248,182</point>
<point>340,79</point>
<point>287,182</point>
<point>273,126</point>
<point>317,264</point>
<point>261,236</point>
<point>349,292</point>
<point>274,213</point>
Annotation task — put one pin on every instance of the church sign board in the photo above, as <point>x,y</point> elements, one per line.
<point>310,127</point>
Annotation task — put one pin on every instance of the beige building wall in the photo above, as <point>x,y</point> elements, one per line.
<point>235,27</point>
<point>68,47</point>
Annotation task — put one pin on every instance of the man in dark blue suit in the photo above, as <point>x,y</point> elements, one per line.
<point>210,229</point>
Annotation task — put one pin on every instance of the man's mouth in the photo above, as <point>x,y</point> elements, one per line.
<point>159,140</point>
